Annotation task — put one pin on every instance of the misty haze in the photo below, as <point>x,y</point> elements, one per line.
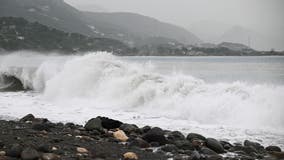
<point>141,79</point>
<point>216,21</point>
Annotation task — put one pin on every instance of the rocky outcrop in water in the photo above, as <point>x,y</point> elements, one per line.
<point>10,84</point>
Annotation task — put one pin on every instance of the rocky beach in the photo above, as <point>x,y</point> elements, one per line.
<point>101,138</point>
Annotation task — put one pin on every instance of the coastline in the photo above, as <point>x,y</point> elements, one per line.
<point>103,138</point>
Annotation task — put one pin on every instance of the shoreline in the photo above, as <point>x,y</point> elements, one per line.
<point>102,138</point>
<point>60,53</point>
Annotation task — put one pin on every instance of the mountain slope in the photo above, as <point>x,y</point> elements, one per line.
<point>19,34</point>
<point>234,46</point>
<point>137,27</point>
<point>128,27</point>
<point>54,13</point>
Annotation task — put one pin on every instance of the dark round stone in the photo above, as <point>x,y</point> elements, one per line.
<point>28,117</point>
<point>175,135</point>
<point>29,154</point>
<point>184,144</point>
<point>44,148</point>
<point>192,136</point>
<point>256,145</point>
<point>273,148</point>
<point>215,145</point>
<point>226,145</point>
<point>41,127</point>
<point>94,124</point>
<point>145,129</point>
<point>15,150</point>
<point>129,128</point>
<point>71,125</point>
<point>139,143</point>
<point>108,123</point>
<point>155,135</point>
<point>207,151</point>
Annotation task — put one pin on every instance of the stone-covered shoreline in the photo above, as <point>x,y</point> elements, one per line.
<point>102,138</point>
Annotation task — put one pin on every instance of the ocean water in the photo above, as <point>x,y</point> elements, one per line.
<point>229,98</point>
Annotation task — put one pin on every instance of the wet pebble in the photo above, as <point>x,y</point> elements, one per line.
<point>50,156</point>
<point>15,150</point>
<point>130,156</point>
<point>29,154</point>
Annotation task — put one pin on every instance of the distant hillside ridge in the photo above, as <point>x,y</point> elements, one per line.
<point>134,29</point>
<point>20,34</point>
<point>138,28</point>
<point>53,13</point>
<point>235,46</point>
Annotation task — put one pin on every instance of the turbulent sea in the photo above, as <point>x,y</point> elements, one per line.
<point>229,98</point>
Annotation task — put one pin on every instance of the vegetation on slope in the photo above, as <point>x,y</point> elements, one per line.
<point>18,34</point>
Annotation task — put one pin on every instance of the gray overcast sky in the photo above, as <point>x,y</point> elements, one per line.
<point>259,15</point>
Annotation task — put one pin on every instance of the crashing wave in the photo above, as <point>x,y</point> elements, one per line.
<point>30,69</point>
<point>107,81</point>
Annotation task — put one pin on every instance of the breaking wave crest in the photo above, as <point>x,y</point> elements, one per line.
<point>114,83</point>
<point>31,70</point>
<point>108,81</point>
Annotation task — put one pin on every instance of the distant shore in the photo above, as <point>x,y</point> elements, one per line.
<point>102,138</point>
<point>18,34</point>
<point>63,53</point>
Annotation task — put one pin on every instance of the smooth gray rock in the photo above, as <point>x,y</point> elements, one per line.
<point>215,145</point>
<point>29,154</point>
<point>192,136</point>
<point>15,150</point>
<point>256,145</point>
<point>184,144</point>
<point>207,151</point>
<point>139,143</point>
<point>94,124</point>
<point>44,148</point>
<point>28,117</point>
<point>175,135</point>
<point>226,145</point>
<point>273,148</point>
<point>155,135</point>
<point>145,129</point>
<point>128,128</point>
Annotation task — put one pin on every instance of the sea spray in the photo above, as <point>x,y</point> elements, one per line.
<point>109,82</point>
<point>31,68</point>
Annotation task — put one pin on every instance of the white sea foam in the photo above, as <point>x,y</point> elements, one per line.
<point>78,88</point>
<point>32,69</point>
<point>112,83</point>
